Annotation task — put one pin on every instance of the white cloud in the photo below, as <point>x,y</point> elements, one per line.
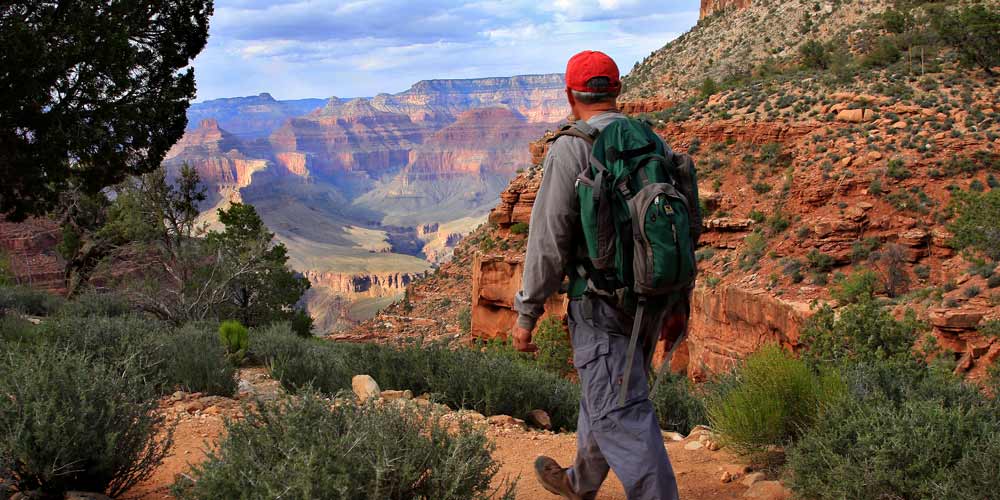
<point>319,48</point>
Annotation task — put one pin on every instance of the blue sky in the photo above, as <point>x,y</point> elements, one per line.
<point>321,48</point>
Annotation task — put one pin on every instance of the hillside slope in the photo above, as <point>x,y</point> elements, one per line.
<point>807,176</point>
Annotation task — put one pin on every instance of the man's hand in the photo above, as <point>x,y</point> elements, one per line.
<point>522,340</point>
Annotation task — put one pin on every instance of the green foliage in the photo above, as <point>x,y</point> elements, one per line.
<point>6,273</point>
<point>519,228</point>
<point>972,31</point>
<point>465,319</point>
<point>989,328</point>
<point>814,55</point>
<point>235,338</point>
<point>770,400</point>
<point>489,382</point>
<point>857,287</point>
<point>900,434</point>
<point>26,300</point>
<point>708,87</point>
<point>820,261</point>
<point>975,226</point>
<point>885,52</point>
<point>193,360</point>
<point>72,421</point>
<point>270,290</point>
<point>93,92</point>
<point>755,244</point>
<point>678,407</point>
<point>862,331</point>
<point>94,303</point>
<point>896,21</point>
<point>554,349</point>
<point>168,357</point>
<point>308,448</point>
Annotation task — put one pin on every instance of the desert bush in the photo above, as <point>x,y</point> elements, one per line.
<point>972,31</point>
<point>193,360</point>
<point>863,331</point>
<point>488,382</point>
<point>72,421</point>
<point>15,330</point>
<point>519,228</point>
<point>858,286</point>
<point>771,399</point>
<point>94,303</point>
<point>814,55</point>
<point>236,339</point>
<point>26,300</point>
<point>554,348</point>
<point>975,226</point>
<point>308,448</point>
<point>900,434</point>
<point>678,406</point>
<point>6,275</point>
<point>819,261</point>
<point>465,319</point>
<point>169,357</point>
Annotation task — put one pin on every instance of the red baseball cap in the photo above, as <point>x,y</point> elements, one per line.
<point>590,64</point>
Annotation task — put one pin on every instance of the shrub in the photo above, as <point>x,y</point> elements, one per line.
<point>708,87</point>
<point>6,274</point>
<point>488,382</point>
<point>972,31</point>
<point>308,448</point>
<point>900,434</point>
<point>814,55</point>
<point>859,286</point>
<point>863,331</point>
<point>301,323</point>
<point>891,266</point>
<point>753,251</point>
<point>770,399</point>
<point>71,421</point>
<point>93,303</point>
<point>819,261</point>
<point>554,348</point>
<point>236,339</point>
<point>994,281</point>
<point>195,361</point>
<point>27,300</point>
<point>465,319</point>
<point>971,291</point>
<point>16,330</point>
<point>519,228</point>
<point>975,226</point>
<point>678,407</point>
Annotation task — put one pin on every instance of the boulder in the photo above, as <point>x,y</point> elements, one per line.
<point>693,445</point>
<point>752,478</point>
<point>390,394</point>
<point>955,319</point>
<point>365,387</point>
<point>540,419</point>
<point>768,490</point>
<point>855,115</point>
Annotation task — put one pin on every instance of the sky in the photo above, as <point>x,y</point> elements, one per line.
<point>349,48</point>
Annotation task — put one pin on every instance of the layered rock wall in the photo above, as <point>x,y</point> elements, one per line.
<point>355,285</point>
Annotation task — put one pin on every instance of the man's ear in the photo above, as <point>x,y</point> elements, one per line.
<point>572,101</point>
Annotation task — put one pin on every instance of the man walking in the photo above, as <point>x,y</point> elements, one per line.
<point>617,429</point>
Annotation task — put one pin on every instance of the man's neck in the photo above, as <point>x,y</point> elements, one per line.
<point>586,114</point>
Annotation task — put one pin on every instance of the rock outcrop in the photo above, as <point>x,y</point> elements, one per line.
<point>251,117</point>
<point>709,7</point>
<point>361,284</point>
<point>29,251</point>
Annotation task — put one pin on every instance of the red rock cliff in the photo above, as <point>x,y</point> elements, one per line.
<point>709,7</point>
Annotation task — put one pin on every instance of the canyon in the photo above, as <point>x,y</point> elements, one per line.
<point>367,193</point>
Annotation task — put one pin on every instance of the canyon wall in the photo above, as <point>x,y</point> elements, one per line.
<point>29,249</point>
<point>709,7</point>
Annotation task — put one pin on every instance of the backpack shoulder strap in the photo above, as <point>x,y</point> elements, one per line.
<point>580,129</point>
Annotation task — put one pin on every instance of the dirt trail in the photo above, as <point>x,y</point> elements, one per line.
<point>200,425</point>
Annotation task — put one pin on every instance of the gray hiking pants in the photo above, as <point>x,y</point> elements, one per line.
<point>627,439</point>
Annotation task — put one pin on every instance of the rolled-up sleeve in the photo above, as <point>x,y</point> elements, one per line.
<point>554,218</point>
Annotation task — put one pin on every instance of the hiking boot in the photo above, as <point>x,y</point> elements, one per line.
<point>553,478</point>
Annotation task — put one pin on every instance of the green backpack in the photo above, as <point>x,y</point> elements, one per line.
<point>640,219</point>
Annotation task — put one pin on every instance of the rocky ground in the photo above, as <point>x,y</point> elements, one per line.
<point>703,471</point>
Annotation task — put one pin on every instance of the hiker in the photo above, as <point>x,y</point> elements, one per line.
<point>617,213</point>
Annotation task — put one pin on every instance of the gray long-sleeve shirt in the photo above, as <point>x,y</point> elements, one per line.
<point>555,219</point>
